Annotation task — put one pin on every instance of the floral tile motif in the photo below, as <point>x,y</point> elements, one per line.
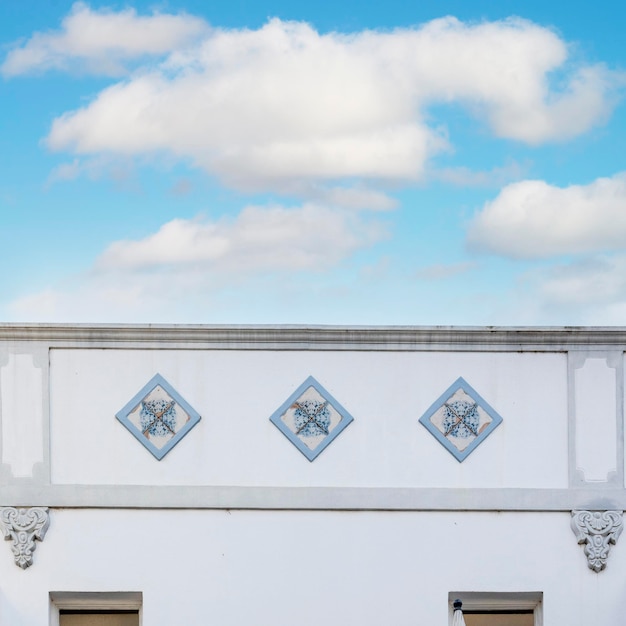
<point>158,416</point>
<point>460,419</point>
<point>311,418</point>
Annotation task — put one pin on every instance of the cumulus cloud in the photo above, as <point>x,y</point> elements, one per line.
<point>586,291</point>
<point>188,267</point>
<point>119,171</point>
<point>532,219</point>
<point>98,301</point>
<point>466,177</point>
<point>596,280</point>
<point>310,237</point>
<point>102,41</point>
<point>356,197</point>
<point>264,108</point>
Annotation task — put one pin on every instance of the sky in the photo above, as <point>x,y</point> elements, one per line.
<point>362,163</point>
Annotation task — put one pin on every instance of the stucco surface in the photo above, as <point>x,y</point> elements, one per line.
<point>279,568</point>
<point>236,392</point>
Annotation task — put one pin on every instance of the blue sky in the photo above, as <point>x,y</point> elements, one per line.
<point>320,163</point>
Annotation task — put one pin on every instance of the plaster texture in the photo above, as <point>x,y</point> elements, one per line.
<point>235,526</point>
<point>21,394</point>
<point>310,568</point>
<point>596,407</point>
<point>236,392</point>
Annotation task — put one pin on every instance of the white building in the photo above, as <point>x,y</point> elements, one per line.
<point>401,468</point>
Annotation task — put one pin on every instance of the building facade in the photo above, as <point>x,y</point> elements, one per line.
<point>274,476</point>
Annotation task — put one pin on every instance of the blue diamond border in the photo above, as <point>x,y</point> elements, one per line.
<point>346,419</point>
<point>122,416</point>
<point>460,383</point>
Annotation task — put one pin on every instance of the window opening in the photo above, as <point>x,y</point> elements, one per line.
<point>500,618</point>
<point>498,609</point>
<point>98,618</point>
<point>120,608</point>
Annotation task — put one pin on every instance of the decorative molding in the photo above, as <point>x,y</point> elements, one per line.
<point>289,337</point>
<point>614,360</point>
<point>309,498</point>
<point>22,403</point>
<point>40,470</point>
<point>597,530</point>
<point>23,526</point>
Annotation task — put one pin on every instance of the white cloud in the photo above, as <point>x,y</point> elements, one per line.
<point>190,267</point>
<point>66,171</point>
<point>102,41</point>
<point>532,219</point>
<point>466,177</point>
<point>586,291</point>
<point>95,301</point>
<point>356,197</point>
<point>310,237</point>
<point>586,282</point>
<point>264,108</point>
<point>120,171</point>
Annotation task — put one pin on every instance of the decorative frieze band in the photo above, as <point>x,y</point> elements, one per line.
<point>597,530</point>
<point>23,526</point>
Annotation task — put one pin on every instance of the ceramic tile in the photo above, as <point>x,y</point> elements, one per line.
<point>311,418</point>
<point>460,419</point>
<point>158,416</point>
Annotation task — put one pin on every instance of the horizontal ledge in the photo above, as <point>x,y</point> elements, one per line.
<point>311,498</point>
<point>290,337</point>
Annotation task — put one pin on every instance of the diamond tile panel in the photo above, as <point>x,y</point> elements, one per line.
<point>460,419</point>
<point>158,416</point>
<point>311,418</point>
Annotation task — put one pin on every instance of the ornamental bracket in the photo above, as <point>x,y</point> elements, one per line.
<point>23,526</point>
<point>597,530</point>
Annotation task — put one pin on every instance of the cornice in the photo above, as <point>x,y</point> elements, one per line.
<point>291,337</point>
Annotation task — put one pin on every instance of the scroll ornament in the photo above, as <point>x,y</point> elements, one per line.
<point>597,530</point>
<point>23,526</point>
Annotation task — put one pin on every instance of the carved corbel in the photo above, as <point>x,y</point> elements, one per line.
<point>23,526</point>
<point>597,530</point>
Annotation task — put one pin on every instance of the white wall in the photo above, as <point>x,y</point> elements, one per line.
<point>206,566</point>
<point>237,568</point>
<point>236,392</point>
